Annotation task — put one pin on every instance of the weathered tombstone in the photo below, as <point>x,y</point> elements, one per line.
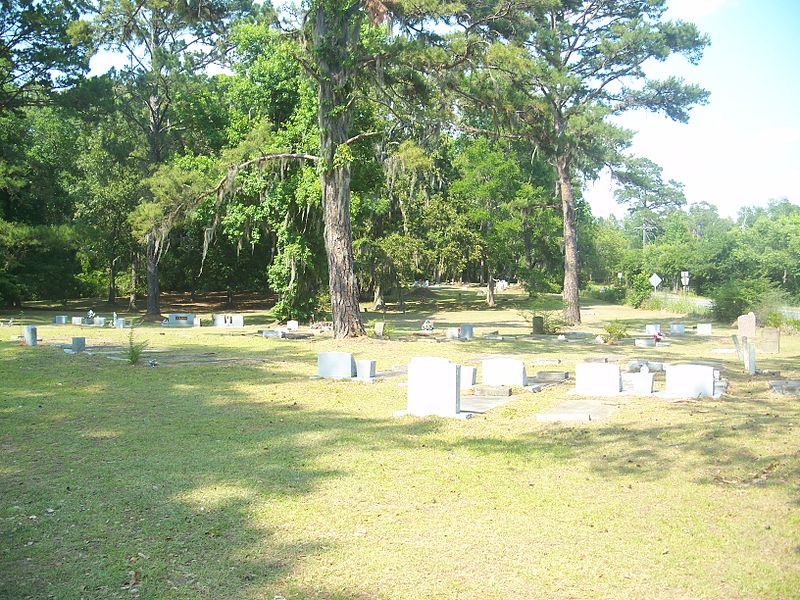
<point>644,342</point>
<point>292,325</point>
<point>652,328</point>
<point>60,319</point>
<point>467,331</point>
<point>677,328</point>
<point>598,379</point>
<point>469,376</point>
<point>690,381</point>
<point>453,333</point>
<point>179,320</point>
<point>538,324</point>
<point>78,344</point>
<point>380,327</point>
<point>747,325</point>
<point>434,387</point>
<point>29,335</point>
<point>503,371</point>
<point>77,320</point>
<point>365,370</point>
<point>770,339</point>
<point>336,365</point>
<point>704,329</point>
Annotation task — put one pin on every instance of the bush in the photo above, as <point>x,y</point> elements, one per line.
<point>135,349</point>
<point>615,331</point>
<point>738,297</point>
<point>639,291</point>
<point>611,294</point>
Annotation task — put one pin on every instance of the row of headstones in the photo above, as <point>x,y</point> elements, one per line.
<point>677,329</point>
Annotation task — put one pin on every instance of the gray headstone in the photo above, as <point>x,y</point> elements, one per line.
<point>60,319</point>
<point>538,324</point>
<point>750,364</point>
<point>179,320</point>
<point>434,387</point>
<point>467,331</point>
<point>29,335</point>
<point>119,323</point>
<point>78,344</point>
<point>598,379</point>
<point>366,369</point>
<point>677,328</point>
<point>735,339</point>
<point>336,365</point>
<point>503,371</point>
<point>690,381</point>
<point>770,340</point>
<point>747,325</point>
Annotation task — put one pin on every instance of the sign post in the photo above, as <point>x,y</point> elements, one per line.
<point>685,282</point>
<point>655,281</point>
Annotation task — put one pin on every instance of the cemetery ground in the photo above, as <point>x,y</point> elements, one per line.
<point>246,477</point>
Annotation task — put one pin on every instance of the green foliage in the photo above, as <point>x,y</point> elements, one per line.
<point>639,291</point>
<point>738,297</point>
<point>613,294</point>
<point>134,351</point>
<point>615,331</point>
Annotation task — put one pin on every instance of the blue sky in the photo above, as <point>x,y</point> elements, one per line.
<point>743,148</point>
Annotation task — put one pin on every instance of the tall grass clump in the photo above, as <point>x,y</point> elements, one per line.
<point>135,349</point>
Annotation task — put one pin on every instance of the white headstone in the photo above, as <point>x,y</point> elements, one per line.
<point>77,320</point>
<point>292,325</point>
<point>99,321</point>
<point>380,327</point>
<point>750,359</point>
<point>598,379</point>
<point>434,387</point>
<point>366,369</point>
<point>469,376</point>
<point>336,365</point>
<point>677,328</point>
<point>690,381</point>
<point>704,329</point>
<point>642,382</point>
<point>652,328</point>
<point>453,333</point>
<point>503,371</point>
<point>228,320</point>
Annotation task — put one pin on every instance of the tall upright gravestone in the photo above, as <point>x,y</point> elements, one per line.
<point>747,325</point>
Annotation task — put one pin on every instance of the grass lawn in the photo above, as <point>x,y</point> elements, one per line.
<point>250,479</point>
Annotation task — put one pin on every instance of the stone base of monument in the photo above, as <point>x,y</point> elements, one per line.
<point>786,387</point>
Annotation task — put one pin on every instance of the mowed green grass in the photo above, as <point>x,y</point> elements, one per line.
<point>253,480</point>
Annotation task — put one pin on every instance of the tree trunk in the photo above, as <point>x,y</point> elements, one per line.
<point>572,310</point>
<point>112,282</point>
<point>132,298</point>
<point>378,302</point>
<point>153,290</point>
<point>336,33</point>
<point>229,298</point>
<point>490,292</point>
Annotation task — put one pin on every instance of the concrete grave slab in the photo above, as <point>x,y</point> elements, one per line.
<point>482,404</point>
<point>786,387</point>
<point>543,362</point>
<point>577,411</point>
<point>503,371</point>
<point>336,365</point>
<point>551,376</point>
<point>644,342</point>
<point>597,379</point>
<point>492,390</point>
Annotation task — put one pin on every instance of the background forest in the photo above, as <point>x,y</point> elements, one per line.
<point>194,167</point>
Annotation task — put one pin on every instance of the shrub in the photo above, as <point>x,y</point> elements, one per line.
<point>615,331</point>
<point>738,297</point>
<point>611,294</point>
<point>135,349</point>
<point>639,291</point>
